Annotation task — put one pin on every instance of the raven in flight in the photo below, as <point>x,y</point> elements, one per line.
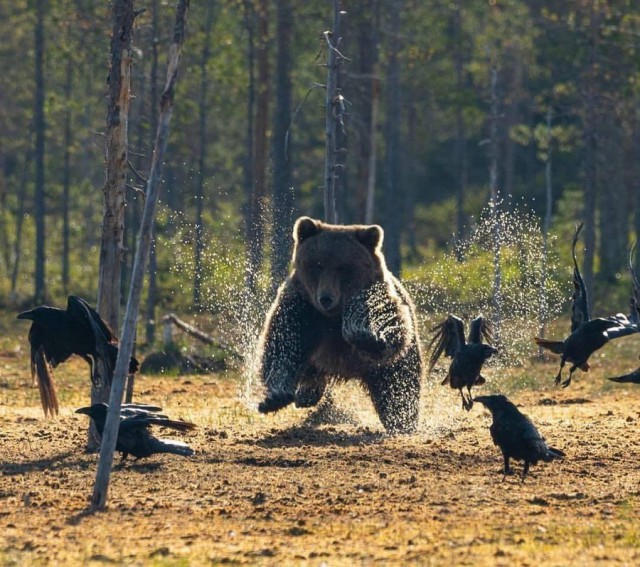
<point>467,357</point>
<point>587,335</point>
<point>57,334</point>
<point>516,435</point>
<point>134,435</point>
<point>633,377</point>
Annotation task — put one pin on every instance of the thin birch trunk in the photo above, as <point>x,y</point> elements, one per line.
<point>110,435</point>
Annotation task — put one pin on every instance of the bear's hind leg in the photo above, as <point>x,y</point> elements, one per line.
<point>395,392</point>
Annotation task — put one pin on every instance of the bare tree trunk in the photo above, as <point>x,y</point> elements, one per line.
<point>461,140</point>
<point>495,207</point>
<point>17,245</point>
<point>393,196</point>
<point>111,245</point>
<point>249,162</point>
<point>590,154</point>
<point>542,316</point>
<point>635,187</point>
<point>110,435</point>
<point>40,127</point>
<point>282,188</point>
<point>331,102</point>
<point>199,228</point>
<point>150,330</point>
<point>368,101</point>
<point>372,164</point>
<point>66,177</point>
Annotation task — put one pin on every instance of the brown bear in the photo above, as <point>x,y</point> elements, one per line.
<point>341,314</point>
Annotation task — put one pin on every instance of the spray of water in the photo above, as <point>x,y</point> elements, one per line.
<point>532,290</point>
<point>447,285</point>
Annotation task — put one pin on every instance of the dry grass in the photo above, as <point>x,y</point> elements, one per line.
<point>272,491</point>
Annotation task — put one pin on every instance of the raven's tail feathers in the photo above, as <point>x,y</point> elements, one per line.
<point>46,383</point>
<point>173,447</point>
<point>553,453</point>
<point>553,346</point>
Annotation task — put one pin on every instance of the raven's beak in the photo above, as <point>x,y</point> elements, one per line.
<point>26,315</point>
<point>481,399</point>
<point>85,411</point>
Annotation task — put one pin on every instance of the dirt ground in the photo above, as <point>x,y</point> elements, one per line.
<point>280,490</point>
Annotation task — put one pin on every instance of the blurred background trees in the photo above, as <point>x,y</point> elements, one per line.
<point>247,147</point>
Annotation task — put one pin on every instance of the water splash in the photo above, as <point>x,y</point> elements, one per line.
<point>461,282</point>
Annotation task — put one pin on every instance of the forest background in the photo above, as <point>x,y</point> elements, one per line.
<point>448,105</point>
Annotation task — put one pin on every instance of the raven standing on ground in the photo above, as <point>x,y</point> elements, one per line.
<point>587,335</point>
<point>56,334</point>
<point>467,357</point>
<point>134,435</point>
<point>516,435</point>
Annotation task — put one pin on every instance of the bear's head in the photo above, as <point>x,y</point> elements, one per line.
<point>333,262</point>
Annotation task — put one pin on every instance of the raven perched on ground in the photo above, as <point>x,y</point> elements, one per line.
<point>516,435</point>
<point>467,357</point>
<point>57,334</point>
<point>587,335</point>
<point>134,435</point>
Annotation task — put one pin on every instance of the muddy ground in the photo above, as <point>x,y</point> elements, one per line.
<point>282,490</point>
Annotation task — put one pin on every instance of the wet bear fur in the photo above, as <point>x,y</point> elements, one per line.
<point>340,315</point>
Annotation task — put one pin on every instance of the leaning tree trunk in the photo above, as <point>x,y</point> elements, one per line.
<point>110,435</point>
<point>150,329</point>
<point>111,245</point>
<point>40,126</point>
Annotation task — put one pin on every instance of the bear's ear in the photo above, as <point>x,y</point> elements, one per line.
<point>304,228</point>
<point>371,237</point>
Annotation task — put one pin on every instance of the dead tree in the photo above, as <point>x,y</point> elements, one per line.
<point>334,104</point>
<point>542,318</point>
<point>40,126</point>
<point>110,434</point>
<point>494,205</point>
<point>116,142</point>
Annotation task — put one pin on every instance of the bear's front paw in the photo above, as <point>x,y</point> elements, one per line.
<point>274,402</point>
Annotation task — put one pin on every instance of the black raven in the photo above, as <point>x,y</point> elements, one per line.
<point>631,378</point>
<point>467,357</point>
<point>516,435</point>
<point>57,334</point>
<point>134,435</point>
<point>587,335</point>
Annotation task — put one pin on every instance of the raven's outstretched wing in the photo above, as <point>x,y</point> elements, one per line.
<point>480,328</point>
<point>580,307</point>
<point>447,339</point>
<point>632,378</point>
<point>79,310</point>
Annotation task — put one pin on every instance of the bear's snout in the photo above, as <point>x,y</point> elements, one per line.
<point>327,301</point>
